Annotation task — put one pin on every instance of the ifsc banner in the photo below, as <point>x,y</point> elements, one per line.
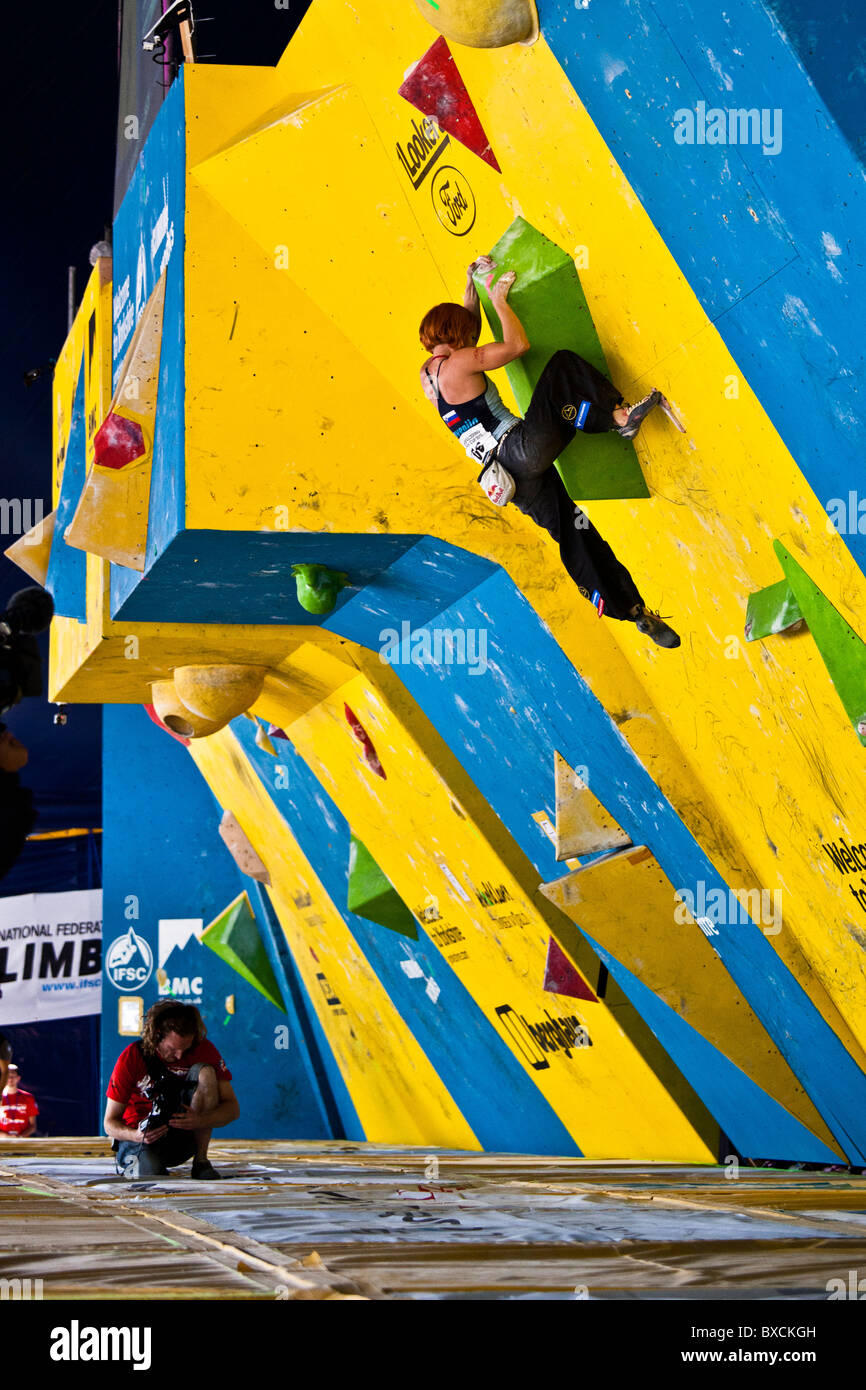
<point>50,955</point>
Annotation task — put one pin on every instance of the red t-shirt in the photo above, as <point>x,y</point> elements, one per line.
<point>16,1108</point>
<point>130,1074</point>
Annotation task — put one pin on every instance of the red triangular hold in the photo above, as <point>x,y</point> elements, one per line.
<point>435,87</point>
<point>561,977</point>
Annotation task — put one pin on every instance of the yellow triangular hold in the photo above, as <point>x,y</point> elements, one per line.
<point>112,514</point>
<point>583,826</point>
<point>31,552</point>
<point>262,740</point>
<point>626,904</point>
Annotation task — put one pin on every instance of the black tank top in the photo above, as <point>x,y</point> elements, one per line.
<point>478,423</point>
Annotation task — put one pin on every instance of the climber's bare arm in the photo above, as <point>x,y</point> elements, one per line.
<point>467,363</point>
<point>470,294</point>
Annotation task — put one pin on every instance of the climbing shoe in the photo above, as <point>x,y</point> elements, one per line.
<point>637,414</point>
<point>204,1170</point>
<point>651,625</point>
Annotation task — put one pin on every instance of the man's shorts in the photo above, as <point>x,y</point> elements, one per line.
<point>137,1160</point>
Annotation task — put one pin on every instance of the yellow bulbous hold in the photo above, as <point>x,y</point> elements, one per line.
<point>175,715</point>
<point>483,23</point>
<point>219,693</point>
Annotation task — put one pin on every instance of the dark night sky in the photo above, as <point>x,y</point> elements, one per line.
<point>58,175</point>
<point>59,145</point>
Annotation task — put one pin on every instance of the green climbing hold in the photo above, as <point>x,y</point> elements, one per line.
<point>318,587</point>
<point>842,649</point>
<point>372,896</point>
<point>771,610</point>
<point>234,937</point>
<point>549,301</point>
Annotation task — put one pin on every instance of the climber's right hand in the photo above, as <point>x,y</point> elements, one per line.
<point>499,293</point>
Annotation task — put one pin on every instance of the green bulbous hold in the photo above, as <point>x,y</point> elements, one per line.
<point>318,587</point>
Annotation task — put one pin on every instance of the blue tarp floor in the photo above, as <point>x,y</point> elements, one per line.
<point>364,1220</point>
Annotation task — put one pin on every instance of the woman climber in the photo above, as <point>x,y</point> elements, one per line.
<point>518,455</point>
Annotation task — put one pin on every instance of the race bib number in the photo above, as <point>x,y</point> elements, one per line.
<point>477,441</point>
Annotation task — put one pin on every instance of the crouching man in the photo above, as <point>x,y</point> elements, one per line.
<point>167,1093</point>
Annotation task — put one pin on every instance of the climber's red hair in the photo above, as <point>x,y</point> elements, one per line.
<point>451,324</point>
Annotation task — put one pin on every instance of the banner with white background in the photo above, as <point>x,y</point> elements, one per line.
<point>50,956</point>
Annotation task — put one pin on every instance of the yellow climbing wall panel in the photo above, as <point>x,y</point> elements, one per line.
<point>395,1090</point>
<point>606,1095</point>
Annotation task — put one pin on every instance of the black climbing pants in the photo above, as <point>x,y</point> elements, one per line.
<point>570,395</point>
